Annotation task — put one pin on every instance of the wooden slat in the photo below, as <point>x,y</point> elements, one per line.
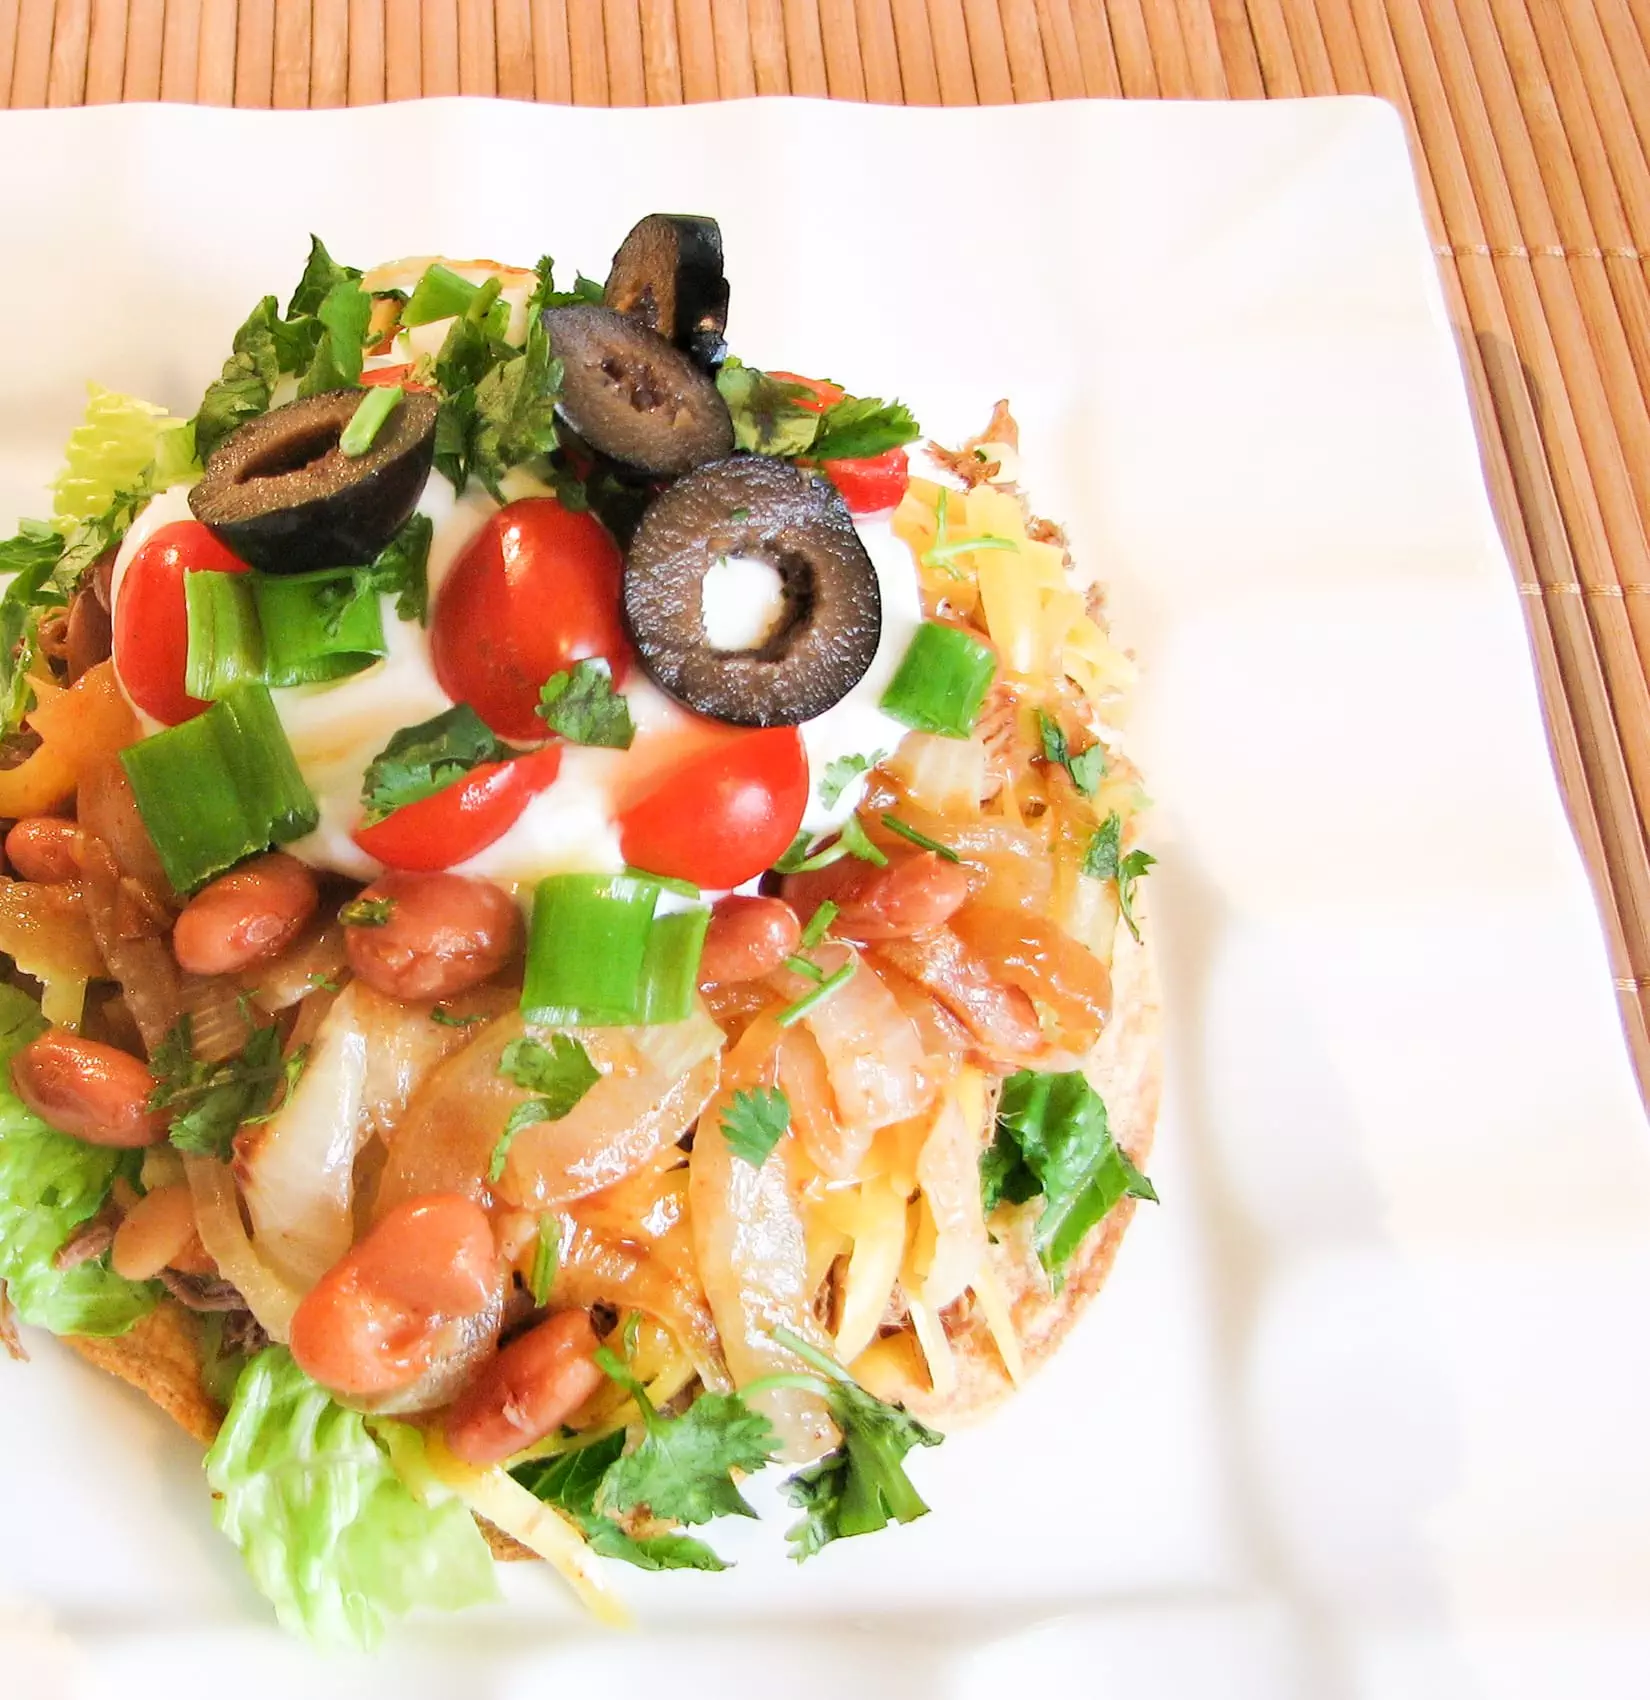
<point>514,21</point>
<point>329,52</point>
<point>215,73</point>
<point>369,52</point>
<point>145,26</point>
<point>8,47</point>
<point>768,56</point>
<point>254,50</point>
<point>438,46</point>
<point>622,37</point>
<point>805,48</point>
<point>477,52</point>
<point>71,42</point>
<point>879,51</point>
<point>552,51</point>
<point>293,39</point>
<point>31,69</point>
<point>735,70</point>
<point>106,53</point>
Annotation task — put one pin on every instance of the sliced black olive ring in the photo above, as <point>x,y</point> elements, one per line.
<point>667,275</point>
<point>754,508</point>
<point>629,394</point>
<point>281,494</point>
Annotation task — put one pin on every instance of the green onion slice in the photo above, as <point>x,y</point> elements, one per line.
<point>225,641</point>
<point>369,419</point>
<point>220,787</point>
<point>440,294</point>
<point>597,956</point>
<point>942,681</point>
<point>317,626</point>
<point>810,1001</point>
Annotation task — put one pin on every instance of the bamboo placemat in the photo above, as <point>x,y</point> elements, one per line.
<point>1530,121</point>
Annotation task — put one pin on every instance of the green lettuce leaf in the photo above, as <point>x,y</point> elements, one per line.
<point>329,1532</point>
<point>49,1185</point>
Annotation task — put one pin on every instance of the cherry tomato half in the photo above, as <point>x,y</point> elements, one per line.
<point>438,832</point>
<point>723,816</point>
<point>536,591</point>
<point>873,485</point>
<point>869,486</point>
<point>151,641</point>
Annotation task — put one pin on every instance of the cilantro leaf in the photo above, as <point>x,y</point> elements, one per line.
<point>241,391</point>
<point>545,294</point>
<point>1087,768</point>
<point>32,556</point>
<point>322,274</point>
<point>445,1018</point>
<point>851,841</point>
<point>421,760</point>
<point>1103,861</point>
<point>400,569</point>
<point>370,912</point>
<point>855,841</point>
<point>842,772</point>
<point>571,1484</point>
<point>755,1122</point>
<point>469,354</point>
<point>682,1471</point>
<point>859,427</point>
<point>770,416</point>
<point>515,417</point>
<point>1053,1141</point>
<point>559,1073</point>
<point>344,316</point>
<point>861,1486</point>
<point>582,706</point>
<point>209,1101</point>
<point>1130,869</point>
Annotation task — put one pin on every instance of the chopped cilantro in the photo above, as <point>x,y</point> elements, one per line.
<point>810,1001</point>
<point>861,427</point>
<point>572,1482</point>
<point>209,1101</point>
<point>683,1470</point>
<point>559,1074</point>
<point>581,705</point>
<point>369,912</point>
<point>445,1018</point>
<point>861,1486</point>
<point>754,1123</point>
<point>421,760</point>
<point>1053,1141</point>
<point>857,844</point>
<point>400,569</point>
<point>842,772</point>
<point>32,556</point>
<point>1087,768</point>
<point>770,416</point>
<point>515,410</point>
<point>1102,861</point>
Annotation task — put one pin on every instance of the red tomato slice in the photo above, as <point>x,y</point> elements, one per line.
<point>536,591</point>
<point>450,827</point>
<point>151,640</point>
<point>870,486</point>
<point>721,817</point>
<point>824,393</point>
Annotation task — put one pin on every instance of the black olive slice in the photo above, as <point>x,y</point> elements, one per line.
<point>754,508</point>
<point>281,494</point>
<point>628,393</point>
<point>667,275</point>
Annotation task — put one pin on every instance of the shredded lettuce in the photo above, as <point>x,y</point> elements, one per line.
<point>49,1185</point>
<point>122,446</point>
<point>329,1532</point>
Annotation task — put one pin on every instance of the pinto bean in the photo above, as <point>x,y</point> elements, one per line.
<point>748,938</point>
<point>440,935</point>
<point>87,1090</point>
<point>910,895</point>
<point>253,912</point>
<point>530,1388</point>
<point>371,1324</point>
<point>155,1232</point>
<point>42,848</point>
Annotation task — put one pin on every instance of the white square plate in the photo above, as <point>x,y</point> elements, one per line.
<point>1363,1409</point>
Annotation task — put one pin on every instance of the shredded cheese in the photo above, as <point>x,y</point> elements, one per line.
<point>873,1267</point>
<point>507,1505</point>
<point>936,1349</point>
<point>993,1302</point>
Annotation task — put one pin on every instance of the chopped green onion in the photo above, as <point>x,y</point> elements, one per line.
<point>317,626</point>
<point>942,681</point>
<point>546,1257</point>
<point>597,957</point>
<point>369,419</point>
<point>857,843</point>
<point>480,309</point>
<point>796,860</point>
<point>670,970</point>
<point>225,642</point>
<point>819,924</point>
<point>808,970</point>
<point>220,787</point>
<point>682,888</point>
<point>941,553</point>
<point>810,1001</point>
<point>920,839</point>
<point>441,294</point>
